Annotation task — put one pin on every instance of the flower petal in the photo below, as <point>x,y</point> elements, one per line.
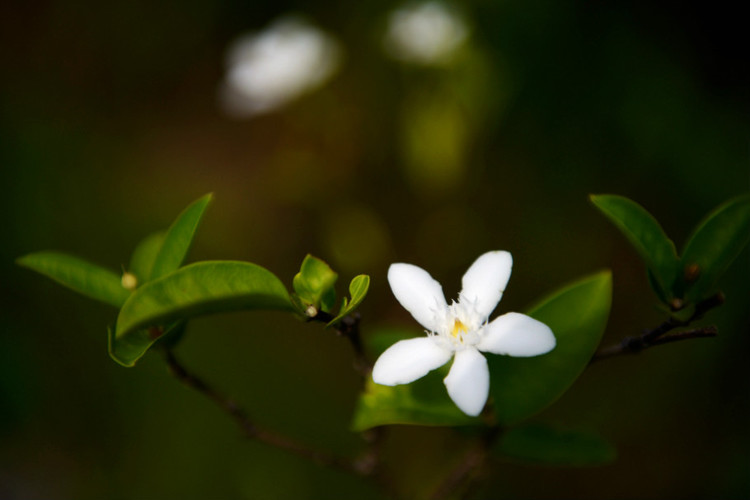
<point>418,292</point>
<point>516,334</point>
<point>484,282</point>
<point>407,360</point>
<point>468,382</point>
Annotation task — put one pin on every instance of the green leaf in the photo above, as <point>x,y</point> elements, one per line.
<point>423,402</point>
<point>196,289</point>
<point>328,300</point>
<point>646,235</point>
<point>173,334</point>
<point>656,287</point>
<point>179,237</point>
<point>144,256</point>
<point>165,336</point>
<point>79,275</point>
<point>314,281</point>
<point>541,444</point>
<point>713,246</point>
<point>358,291</point>
<point>577,315</point>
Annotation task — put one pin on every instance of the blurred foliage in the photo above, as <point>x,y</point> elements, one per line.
<point>110,122</point>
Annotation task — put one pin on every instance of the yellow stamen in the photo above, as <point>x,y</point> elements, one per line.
<point>459,328</point>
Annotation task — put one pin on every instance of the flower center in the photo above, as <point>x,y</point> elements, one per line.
<point>459,329</point>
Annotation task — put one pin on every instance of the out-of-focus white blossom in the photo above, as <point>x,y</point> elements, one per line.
<point>268,69</point>
<point>427,33</point>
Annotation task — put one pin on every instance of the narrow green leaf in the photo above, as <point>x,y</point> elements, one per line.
<point>358,288</point>
<point>358,291</point>
<point>79,275</point>
<point>423,402</point>
<point>179,237</point>
<point>646,235</point>
<point>144,256</point>
<point>577,315</point>
<point>541,444</point>
<point>314,282</point>
<point>196,289</point>
<point>713,246</point>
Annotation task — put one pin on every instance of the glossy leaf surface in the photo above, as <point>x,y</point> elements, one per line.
<point>577,315</point>
<point>179,237</point>
<point>646,235</point>
<point>196,289</point>
<point>541,444</point>
<point>79,275</point>
<point>713,246</point>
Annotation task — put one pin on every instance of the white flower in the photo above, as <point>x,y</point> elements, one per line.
<point>271,68</point>
<point>428,33</point>
<point>459,330</point>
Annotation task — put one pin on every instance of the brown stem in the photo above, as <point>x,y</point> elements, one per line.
<point>249,429</point>
<point>708,331</point>
<point>657,336</point>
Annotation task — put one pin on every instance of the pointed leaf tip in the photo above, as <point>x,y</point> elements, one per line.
<point>179,238</point>
<point>358,288</point>
<point>79,275</point>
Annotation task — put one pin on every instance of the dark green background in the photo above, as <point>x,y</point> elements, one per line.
<point>110,126</point>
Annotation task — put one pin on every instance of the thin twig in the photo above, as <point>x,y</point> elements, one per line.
<point>249,429</point>
<point>657,336</point>
<point>708,331</point>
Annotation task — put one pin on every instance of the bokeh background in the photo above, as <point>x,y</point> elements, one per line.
<point>114,118</point>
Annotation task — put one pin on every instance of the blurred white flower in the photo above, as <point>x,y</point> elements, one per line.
<point>459,330</point>
<point>427,33</point>
<point>268,69</point>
